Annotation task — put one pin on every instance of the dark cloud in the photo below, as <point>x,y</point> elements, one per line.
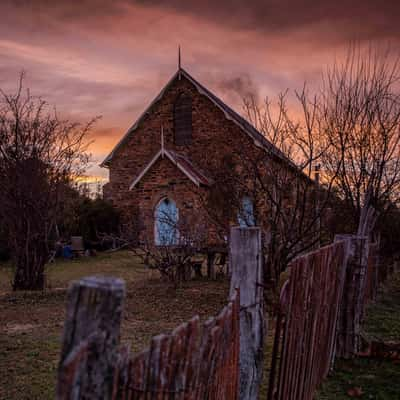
<point>66,9</point>
<point>356,19</point>
<point>335,20</point>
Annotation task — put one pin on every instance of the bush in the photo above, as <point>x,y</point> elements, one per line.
<point>90,219</point>
<point>389,227</point>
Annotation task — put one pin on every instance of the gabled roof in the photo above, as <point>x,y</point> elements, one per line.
<point>258,138</point>
<point>186,166</point>
<point>193,173</point>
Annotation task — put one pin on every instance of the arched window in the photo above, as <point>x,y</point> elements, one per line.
<point>166,223</point>
<point>246,213</point>
<point>183,120</point>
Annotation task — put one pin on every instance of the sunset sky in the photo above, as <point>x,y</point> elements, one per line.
<point>111,58</point>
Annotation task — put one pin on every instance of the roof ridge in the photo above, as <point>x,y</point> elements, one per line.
<point>242,120</point>
<point>197,176</point>
<point>258,138</point>
<point>188,159</point>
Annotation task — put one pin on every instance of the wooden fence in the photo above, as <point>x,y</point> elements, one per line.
<point>195,362</point>
<point>348,339</point>
<point>310,304</point>
<point>320,316</point>
<point>373,277</point>
<point>321,310</point>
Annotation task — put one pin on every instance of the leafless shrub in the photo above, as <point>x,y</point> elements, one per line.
<point>172,252</point>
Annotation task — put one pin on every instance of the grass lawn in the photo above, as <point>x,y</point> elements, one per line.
<point>32,322</point>
<point>377,379</point>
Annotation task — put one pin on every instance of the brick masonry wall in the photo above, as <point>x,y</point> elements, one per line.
<point>214,136</point>
<point>164,179</point>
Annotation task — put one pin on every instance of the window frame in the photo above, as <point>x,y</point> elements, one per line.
<point>245,216</point>
<point>158,240</point>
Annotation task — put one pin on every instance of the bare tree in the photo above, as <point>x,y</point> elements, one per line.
<point>351,129</point>
<point>39,156</point>
<point>360,118</point>
<point>290,201</point>
<point>274,188</point>
<point>172,253</point>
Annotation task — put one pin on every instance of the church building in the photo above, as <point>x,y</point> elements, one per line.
<point>164,171</point>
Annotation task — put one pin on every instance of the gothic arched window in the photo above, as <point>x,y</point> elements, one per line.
<point>183,120</point>
<point>166,223</point>
<point>246,213</point>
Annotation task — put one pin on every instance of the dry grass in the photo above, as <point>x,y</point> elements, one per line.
<point>32,321</point>
<point>31,326</point>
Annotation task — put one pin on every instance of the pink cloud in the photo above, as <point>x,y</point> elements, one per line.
<point>111,58</point>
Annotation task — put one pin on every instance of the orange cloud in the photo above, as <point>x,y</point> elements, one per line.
<point>97,57</point>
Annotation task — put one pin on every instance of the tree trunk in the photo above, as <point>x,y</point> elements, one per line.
<point>30,262</point>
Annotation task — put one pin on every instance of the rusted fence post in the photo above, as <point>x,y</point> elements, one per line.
<point>90,339</point>
<point>352,305</point>
<point>247,274</point>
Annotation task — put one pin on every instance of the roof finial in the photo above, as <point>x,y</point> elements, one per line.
<point>162,141</point>
<point>179,61</point>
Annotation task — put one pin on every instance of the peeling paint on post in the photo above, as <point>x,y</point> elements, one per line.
<point>91,337</point>
<point>247,274</point>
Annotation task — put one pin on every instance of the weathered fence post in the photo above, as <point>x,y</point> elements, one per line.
<point>247,274</point>
<point>90,339</point>
<point>372,281</point>
<point>352,305</point>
